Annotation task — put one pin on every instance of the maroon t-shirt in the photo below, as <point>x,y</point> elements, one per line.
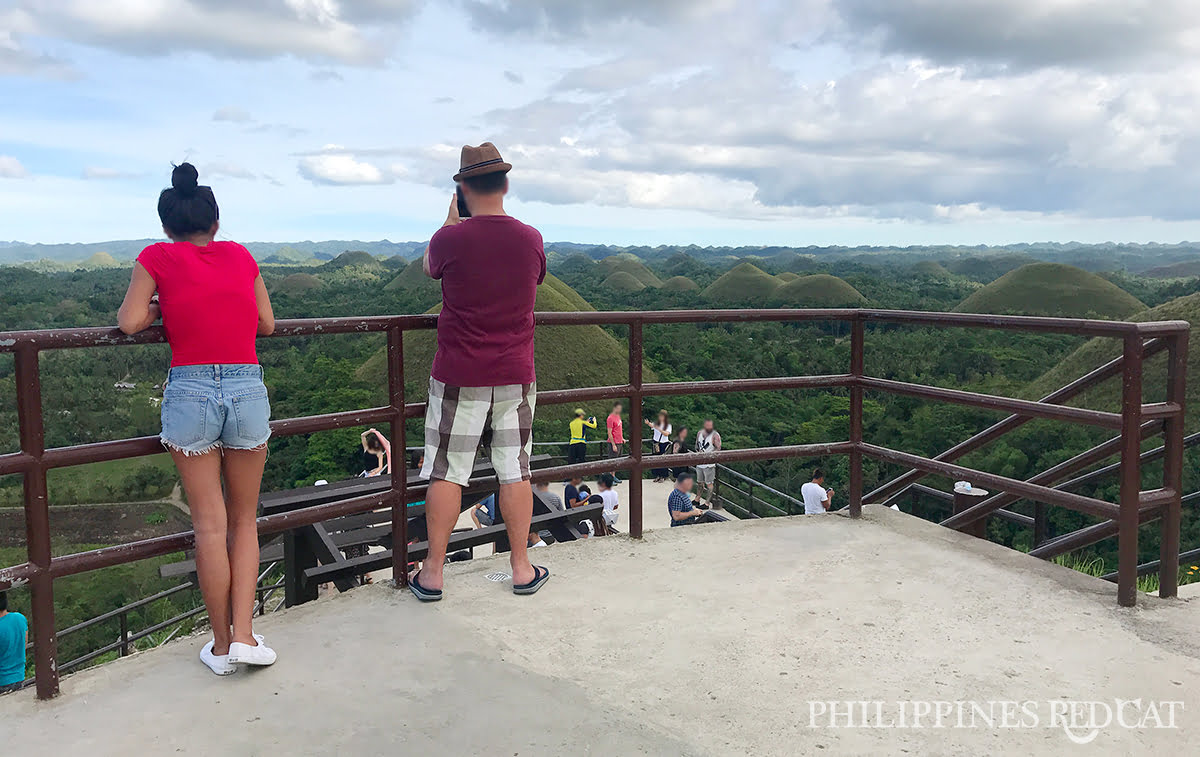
<point>490,267</point>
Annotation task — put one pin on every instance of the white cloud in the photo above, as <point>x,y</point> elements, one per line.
<point>11,168</point>
<point>339,167</point>
<point>16,60</point>
<point>1028,33</point>
<point>310,29</point>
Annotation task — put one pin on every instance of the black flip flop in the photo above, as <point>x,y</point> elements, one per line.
<point>421,593</point>
<point>540,577</point>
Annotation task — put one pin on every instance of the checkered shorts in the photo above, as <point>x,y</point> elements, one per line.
<point>456,418</point>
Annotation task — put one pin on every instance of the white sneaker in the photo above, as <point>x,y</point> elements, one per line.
<point>217,663</point>
<point>260,654</point>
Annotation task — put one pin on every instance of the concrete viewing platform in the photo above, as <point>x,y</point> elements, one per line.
<point>704,640</point>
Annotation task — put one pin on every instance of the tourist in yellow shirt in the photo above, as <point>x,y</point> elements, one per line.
<point>577,447</point>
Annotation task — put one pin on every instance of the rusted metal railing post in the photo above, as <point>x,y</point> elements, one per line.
<point>399,469</point>
<point>1039,524</point>
<point>1168,568</point>
<point>124,634</point>
<point>635,429</point>
<point>37,521</point>
<point>965,501</point>
<point>856,417</point>
<point>1131,471</point>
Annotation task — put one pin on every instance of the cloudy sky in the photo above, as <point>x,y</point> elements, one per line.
<point>629,121</point>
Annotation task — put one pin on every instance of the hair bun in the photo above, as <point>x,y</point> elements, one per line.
<point>185,179</point>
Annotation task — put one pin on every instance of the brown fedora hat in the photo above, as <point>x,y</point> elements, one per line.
<point>477,161</point>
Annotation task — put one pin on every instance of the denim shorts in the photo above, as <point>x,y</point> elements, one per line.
<point>206,407</point>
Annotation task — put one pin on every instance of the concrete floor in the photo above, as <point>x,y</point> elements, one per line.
<point>706,640</point>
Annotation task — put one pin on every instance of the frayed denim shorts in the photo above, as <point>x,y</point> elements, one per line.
<point>207,407</point>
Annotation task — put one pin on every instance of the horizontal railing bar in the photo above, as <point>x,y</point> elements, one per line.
<point>1160,410</point>
<point>1163,328</point>
<point>97,452</point>
<point>568,396</point>
<point>52,339</point>
<point>102,336</point>
<point>1096,507</point>
<point>15,575</point>
<point>15,462</point>
<point>1085,327</point>
<point>929,491</point>
<point>626,317</point>
<point>1146,569</point>
<point>674,388</point>
<point>1154,498</point>
<point>330,421</point>
<point>993,402</point>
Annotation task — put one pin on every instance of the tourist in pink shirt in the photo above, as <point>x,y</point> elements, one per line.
<point>615,447</point>
<point>215,410</point>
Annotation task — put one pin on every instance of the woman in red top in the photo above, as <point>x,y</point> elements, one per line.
<point>215,411</point>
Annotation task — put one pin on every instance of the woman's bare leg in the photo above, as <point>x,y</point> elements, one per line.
<point>201,476</point>
<point>243,480</point>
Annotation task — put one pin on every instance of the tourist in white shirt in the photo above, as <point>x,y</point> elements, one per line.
<point>816,496</point>
<point>662,442</point>
<point>605,486</point>
<point>708,440</point>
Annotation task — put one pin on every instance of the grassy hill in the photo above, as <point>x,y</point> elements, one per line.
<point>932,268</point>
<point>817,291</point>
<point>746,282</point>
<point>354,259</point>
<point>100,260</point>
<point>566,356</point>
<point>413,278</point>
<point>627,263</point>
<point>297,283</point>
<point>1098,351</point>
<point>623,281</point>
<point>787,276</point>
<point>575,299</point>
<point>1052,289</point>
<point>680,284</point>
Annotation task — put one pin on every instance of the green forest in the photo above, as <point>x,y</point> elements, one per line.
<point>101,394</point>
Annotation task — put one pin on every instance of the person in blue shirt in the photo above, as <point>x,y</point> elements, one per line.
<point>484,513</point>
<point>14,635</point>
<point>680,507</point>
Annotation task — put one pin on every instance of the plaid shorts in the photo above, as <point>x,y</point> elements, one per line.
<point>456,418</point>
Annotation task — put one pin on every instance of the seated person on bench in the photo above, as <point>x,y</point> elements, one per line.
<point>484,513</point>
<point>681,508</point>
<point>573,493</point>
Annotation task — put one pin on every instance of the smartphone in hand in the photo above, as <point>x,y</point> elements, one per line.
<point>463,210</point>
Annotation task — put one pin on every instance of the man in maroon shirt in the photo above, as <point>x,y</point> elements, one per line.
<point>490,265</point>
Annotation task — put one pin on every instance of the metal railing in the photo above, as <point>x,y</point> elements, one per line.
<point>34,460</point>
<point>126,642</point>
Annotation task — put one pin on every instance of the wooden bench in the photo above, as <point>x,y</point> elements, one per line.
<point>561,521</point>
